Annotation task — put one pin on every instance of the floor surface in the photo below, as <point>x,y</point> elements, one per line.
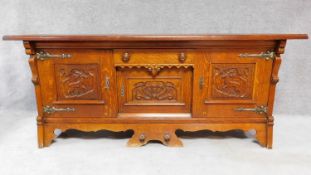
<point>106,152</point>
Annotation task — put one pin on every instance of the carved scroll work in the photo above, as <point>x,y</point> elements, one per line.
<point>154,90</point>
<point>153,69</point>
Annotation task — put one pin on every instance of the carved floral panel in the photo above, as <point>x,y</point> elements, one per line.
<point>76,81</point>
<point>232,80</point>
<point>154,90</point>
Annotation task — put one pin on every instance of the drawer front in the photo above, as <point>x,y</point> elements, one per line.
<point>77,86</point>
<point>142,91</point>
<point>153,56</point>
<point>235,86</point>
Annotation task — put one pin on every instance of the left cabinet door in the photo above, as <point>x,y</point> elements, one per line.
<point>79,85</point>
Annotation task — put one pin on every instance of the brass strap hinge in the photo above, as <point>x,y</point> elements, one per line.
<point>45,55</point>
<point>52,109</point>
<point>257,109</point>
<point>264,55</point>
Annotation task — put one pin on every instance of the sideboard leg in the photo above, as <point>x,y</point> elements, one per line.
<point>269,136</point>
<point>261,136</point>
<point>45,135</point>
<point>40,133</point>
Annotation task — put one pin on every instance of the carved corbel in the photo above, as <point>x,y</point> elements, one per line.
<point>29,48</point>
<point>33,66</point>
<point>275,70</point>
<point>280,47</point>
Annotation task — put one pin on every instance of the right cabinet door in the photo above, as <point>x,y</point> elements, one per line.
<point>235,86</point>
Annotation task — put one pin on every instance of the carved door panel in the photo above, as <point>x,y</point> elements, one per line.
<point>164,90</point>
<point>236,86</point>
<point>78,86</point>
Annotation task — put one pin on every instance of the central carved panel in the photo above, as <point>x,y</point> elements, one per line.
<point>154,90</point>
<point>167,92</point>
<point>77,81</point>
<point>232,80</point>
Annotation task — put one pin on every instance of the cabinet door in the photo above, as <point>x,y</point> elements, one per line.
<point>235,86</point>
<point>79,86</point>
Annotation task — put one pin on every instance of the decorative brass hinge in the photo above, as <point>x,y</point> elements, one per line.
<point>257,109</point>
<point>42,55</point>
<point>52,109</point>
<point>264,55</point>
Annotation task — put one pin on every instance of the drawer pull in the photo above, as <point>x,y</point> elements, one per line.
<point>264,55</point>
<point>45,55</point>
<point>126,57</point>
<point>52,109</point>
<point>182,57</point>
<point>257,109</point>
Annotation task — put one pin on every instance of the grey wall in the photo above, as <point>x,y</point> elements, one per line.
<point>156,17</point>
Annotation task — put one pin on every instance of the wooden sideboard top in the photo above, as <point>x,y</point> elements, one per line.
<point>205,37</point>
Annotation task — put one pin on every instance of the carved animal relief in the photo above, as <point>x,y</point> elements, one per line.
<point>154,90</point>
<point>77,81</point>
<point>232,80</point>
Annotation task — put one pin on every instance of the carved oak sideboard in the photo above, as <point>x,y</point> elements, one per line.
<point>155,85</point>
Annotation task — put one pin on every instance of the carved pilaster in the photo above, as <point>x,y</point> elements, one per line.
<point>35,80</point>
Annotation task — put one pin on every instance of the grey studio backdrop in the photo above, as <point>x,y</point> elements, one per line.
<point>156,17</point>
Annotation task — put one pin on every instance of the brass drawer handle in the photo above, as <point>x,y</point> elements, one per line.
<point>257,109</point>
<point>182,57</point>
<point>264,55</point>
<point>52,109</point>
<point>42,55</point>
<point>126,57</point>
